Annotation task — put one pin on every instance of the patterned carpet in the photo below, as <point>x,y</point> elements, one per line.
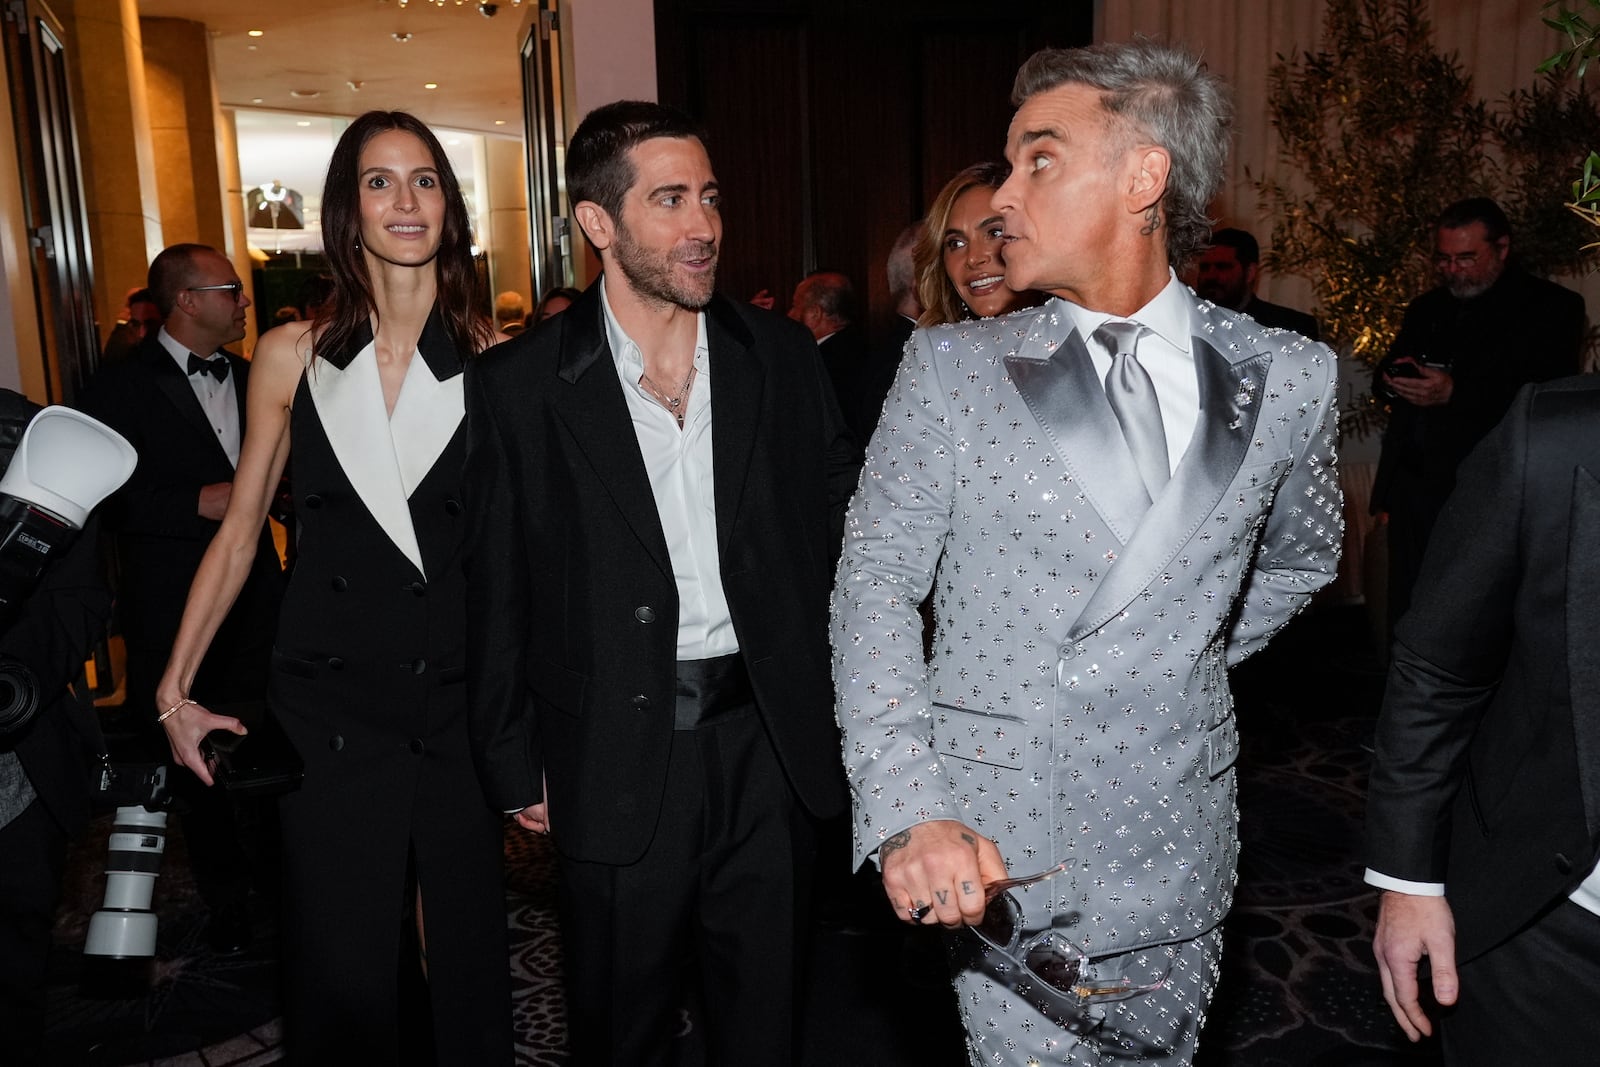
<point>1298,990</point>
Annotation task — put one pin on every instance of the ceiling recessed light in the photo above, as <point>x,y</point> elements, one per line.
<point>303,122</point>
<point>401,36</point>
<point>249,48</point>
<point>430,85</point>
<point>499,122</point>
<point>255,33</point>
<point>305,94</point>
<point>255,99</point>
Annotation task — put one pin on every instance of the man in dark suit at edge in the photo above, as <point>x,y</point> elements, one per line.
<point>1483,811</point>
<point>656,482</point>
<point>179,399</point>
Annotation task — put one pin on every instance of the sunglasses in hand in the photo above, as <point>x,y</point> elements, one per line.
<point>1050,957</point>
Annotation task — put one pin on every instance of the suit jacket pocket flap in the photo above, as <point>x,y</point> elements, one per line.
<point>1222,746</point>
<point>978,736</point>
<point>557,686</point>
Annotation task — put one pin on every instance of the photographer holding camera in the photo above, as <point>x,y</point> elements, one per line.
<point>48,745</point>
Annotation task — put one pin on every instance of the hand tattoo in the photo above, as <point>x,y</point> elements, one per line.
<point>969,839</point>
<point>943,895</point>
<point>894,844</point>
<point>966,887</point>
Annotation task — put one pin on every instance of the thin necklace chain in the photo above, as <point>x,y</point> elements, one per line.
<point>672,402</point>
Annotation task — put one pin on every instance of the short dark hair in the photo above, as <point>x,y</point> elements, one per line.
<point>1244,246</point>
<point>598,168</point>
<point>1476,209</point>
<point>171,272</point>
<point>142,296</point>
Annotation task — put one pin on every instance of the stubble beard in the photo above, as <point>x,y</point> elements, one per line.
<point>651,275</point>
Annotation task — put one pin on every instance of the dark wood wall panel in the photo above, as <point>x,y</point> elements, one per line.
<point>833,124</point>
<point>751,82</point>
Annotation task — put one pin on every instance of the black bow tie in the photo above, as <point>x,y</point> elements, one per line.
<point>217,368</point>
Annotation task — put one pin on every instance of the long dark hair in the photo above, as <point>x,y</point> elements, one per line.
<point>461,296</point>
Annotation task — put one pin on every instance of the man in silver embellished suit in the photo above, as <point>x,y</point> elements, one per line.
<point>1114,498</point>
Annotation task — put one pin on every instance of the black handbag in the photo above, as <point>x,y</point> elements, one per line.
<point>263,762</point>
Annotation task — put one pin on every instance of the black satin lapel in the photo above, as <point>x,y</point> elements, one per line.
<point>1230,401</point>
<point>1583,637</point>
<point>241,384</point>
<point>737,377</point>
<point>438,351</point>
<point>583,335</point>
<point>175,385</point>
<point>596,414</point>
<point>360,338</point>
<point>1068,400</point>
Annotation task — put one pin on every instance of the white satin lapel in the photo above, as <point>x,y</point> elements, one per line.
<point>350,406</point>
<point>425,418</point>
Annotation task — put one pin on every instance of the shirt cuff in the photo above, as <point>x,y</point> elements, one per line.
<point>1400,885</point>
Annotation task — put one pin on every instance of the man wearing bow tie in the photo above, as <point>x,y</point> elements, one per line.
<point>180,399</point>
<point>1113,498</point>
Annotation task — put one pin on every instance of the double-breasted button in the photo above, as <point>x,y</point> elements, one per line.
<point>339,583</point>
<point>418,665</point>
<point>452,506</point>
<point>645,614</point>
<point>417,746</point>
<point>1067,651</point>
<point>336,742</point>
<point>335,663</point>
<point>1563,864</point>
<point>313,501</point>
<point>417,588</point>
<point>641,702</point>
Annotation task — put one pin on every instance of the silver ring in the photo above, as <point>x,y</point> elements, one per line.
<point>918,914</point>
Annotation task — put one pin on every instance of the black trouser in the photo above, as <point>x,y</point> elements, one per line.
<point>1530,999</point>
<point>33,854</point>
<point>717,886</point>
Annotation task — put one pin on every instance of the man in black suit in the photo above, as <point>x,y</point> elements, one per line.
<point>825,303</point>
<point>656,482</point>
<point>1228,273</point>
<point>1483,814</point>
<point>179,399</point>
<point>1464,349</point>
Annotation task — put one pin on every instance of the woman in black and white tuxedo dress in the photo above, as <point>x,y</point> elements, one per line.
<point>367,667</point>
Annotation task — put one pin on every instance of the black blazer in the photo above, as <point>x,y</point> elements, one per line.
<point>1487,773</point>
<point>160,534</point>
<point>572,606</point>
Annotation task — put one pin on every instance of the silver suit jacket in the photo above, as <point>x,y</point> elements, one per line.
<point>1077,705</point>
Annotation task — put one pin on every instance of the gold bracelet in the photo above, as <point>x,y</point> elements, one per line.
<point>170,712</point>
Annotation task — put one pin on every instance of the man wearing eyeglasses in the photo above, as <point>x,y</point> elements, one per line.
<point>1463,351</point>
<point>1113,498</point>
<point>179,398</point>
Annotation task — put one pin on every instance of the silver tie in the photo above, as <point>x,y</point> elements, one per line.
<point>1133,400</point>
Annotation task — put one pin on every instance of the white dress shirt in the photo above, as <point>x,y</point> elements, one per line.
<point>1163,352</point>
<point>1586,896</point>
<point>219,400</point>
<point>678,462</point>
